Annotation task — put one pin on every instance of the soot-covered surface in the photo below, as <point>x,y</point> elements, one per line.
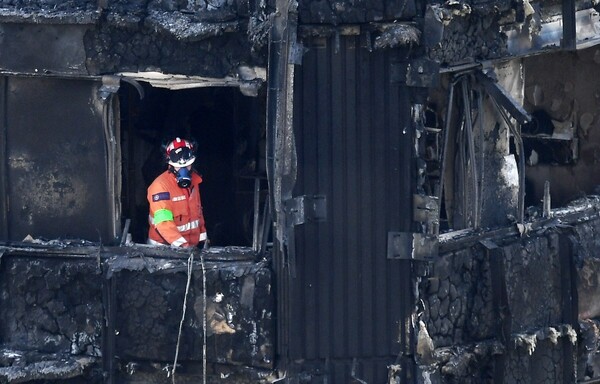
<point>98,315</point>
<point>209,39</point>
<point>515,305</point>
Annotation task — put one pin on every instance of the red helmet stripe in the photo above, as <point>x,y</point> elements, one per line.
<point>178,143</point>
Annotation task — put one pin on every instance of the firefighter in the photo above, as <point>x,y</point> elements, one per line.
<point>176,217</point>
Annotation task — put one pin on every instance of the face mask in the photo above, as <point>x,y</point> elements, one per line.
<point>184,177</point>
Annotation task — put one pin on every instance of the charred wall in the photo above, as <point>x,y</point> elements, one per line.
<point>117,317</point>
<point>515,307</point>
<point>111,50</point>
<point>502,308</point>
<point>347,12</point>
<point>54,175</point>
<point>53,306</point>
<point>238,312</point>
<point>460,34</point>
<point>93,38</point>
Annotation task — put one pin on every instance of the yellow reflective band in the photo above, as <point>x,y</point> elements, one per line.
<point>162,215</point>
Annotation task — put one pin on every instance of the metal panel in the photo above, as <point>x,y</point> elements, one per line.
<point>348,300</point>
<point>37,48</point>
<point>56,160</point>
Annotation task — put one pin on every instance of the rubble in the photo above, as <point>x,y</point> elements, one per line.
<point>64,368</point>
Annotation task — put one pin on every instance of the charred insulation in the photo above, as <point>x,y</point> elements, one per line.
<point>466,38</point>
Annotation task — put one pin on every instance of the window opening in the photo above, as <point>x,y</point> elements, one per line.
<point>229,129</point>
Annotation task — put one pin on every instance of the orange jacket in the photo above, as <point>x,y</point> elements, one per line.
<point>175,213</point>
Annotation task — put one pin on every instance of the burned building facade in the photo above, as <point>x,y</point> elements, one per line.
<point>395,192</point>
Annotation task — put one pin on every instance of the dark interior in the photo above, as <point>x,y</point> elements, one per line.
<point>228,128</point>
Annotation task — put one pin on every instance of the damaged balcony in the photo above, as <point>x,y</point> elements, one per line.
<point>136,312</point>
<point>510,289</point>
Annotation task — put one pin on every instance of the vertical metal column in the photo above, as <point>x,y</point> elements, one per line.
<point>570,304</point>
<point>569,38</point>
<point>281,159</point>
<point>495,256</point>
<point>3,162</point>
<point>109,302</point>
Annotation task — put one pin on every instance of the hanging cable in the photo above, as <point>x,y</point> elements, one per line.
<point>470,141</point>
<point>446,135</point>
<point>480,124</point>
<point>190,264</point>
<point>203,318</point>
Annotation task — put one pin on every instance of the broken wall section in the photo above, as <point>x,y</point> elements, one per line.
<point>86,317</point>
<point>501,309</point>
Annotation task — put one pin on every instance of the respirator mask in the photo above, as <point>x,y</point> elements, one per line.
<point>179,156</point>
<point>184,177</point>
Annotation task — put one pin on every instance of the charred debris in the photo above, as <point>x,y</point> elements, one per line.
<point>396,191</point>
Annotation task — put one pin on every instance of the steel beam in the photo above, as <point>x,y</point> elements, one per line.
<point>503,98</point>
<point>569,38</point>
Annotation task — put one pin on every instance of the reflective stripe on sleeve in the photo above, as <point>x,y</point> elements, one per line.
<point>203,236</point>
<point>156,243</point>
<point>179,242</point>
<point>186,227</point>
<point>162,215</point>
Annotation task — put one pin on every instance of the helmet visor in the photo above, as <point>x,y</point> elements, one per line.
<point>181,157</point>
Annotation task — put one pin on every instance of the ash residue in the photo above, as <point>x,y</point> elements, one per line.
<point>51,368</point>
<point>468,37</point>
<point>49,6</point>
<point>259,26</point>
<point>183,27</point>
<point>395,35</point>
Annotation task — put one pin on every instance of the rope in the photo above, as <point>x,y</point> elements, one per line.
<point>203,318</point>
<point>190,264</point>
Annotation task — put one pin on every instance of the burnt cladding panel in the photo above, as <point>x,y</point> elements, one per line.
<point>55,148</point>
<point>42,48</point>
<point>348,300</point>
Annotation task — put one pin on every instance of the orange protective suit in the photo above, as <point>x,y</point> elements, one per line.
<point>175,213</point>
